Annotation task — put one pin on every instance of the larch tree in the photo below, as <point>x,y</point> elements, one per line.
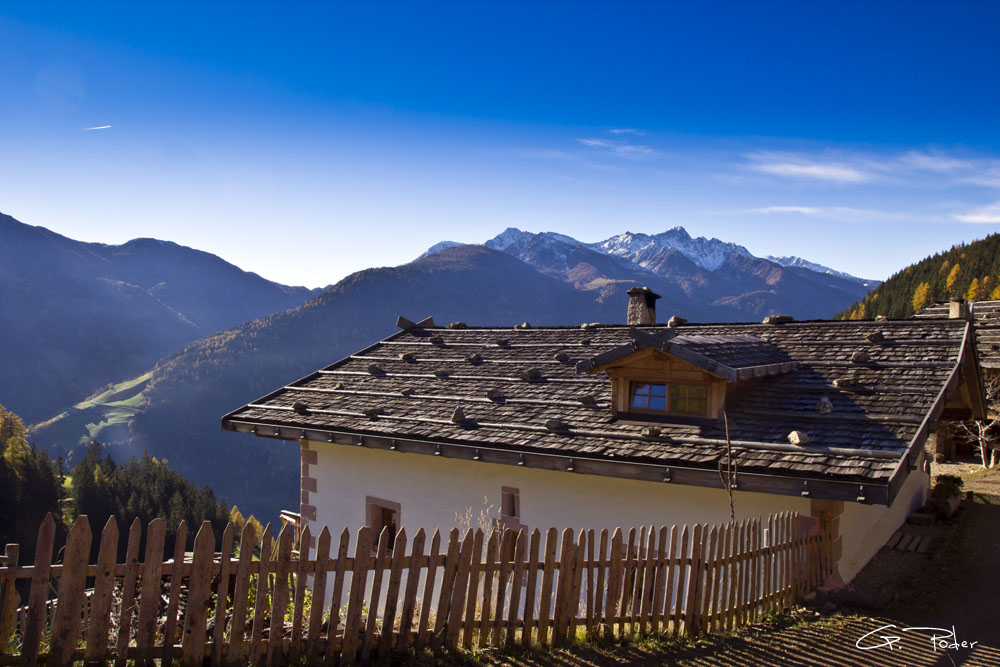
<point>952,280</point>
<point>973,292</point>
<point>921,297</point>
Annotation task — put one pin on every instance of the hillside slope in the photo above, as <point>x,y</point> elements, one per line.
<point>968,270</point>
<point>189,391</point>
<point>77,316</point>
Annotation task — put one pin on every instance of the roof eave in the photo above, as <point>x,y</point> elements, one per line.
<point>809,487</point>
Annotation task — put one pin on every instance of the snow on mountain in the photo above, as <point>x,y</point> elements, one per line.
<point>645,249</point>
<point>438,247</point>
<point>818,268</point>
<point>551,250</point>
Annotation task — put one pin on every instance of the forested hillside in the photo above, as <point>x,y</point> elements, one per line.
<point>75,316</point>
<point>970,271</point>
<point>32,484</point>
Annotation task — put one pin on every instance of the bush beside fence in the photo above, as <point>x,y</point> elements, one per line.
<point>259,600</point>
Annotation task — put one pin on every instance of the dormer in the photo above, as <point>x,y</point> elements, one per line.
<point>671,376</point>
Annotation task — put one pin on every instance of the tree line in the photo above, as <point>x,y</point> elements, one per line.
<point>32,484</point>
<point>970,271</point>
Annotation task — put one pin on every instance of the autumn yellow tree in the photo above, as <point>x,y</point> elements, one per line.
<point>995,294</point>
<point>953,278</point>
<point>973,292</point>
<point>921,297</point>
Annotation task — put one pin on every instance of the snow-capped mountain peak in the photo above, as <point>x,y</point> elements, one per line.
<point>645,249</point>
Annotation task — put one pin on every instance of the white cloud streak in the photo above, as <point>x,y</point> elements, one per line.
<point>627,130</point>
<point>844,213</point>
<point>984,215</point>
<point>99,127</point>
<point>616,147</point>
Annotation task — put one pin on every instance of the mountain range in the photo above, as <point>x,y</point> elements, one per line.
<point>76,316</point>
<point>171,406</point>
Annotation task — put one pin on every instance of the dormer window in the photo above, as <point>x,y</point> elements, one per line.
<point>672,398</point>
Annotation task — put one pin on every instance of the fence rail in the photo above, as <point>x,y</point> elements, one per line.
<point>259,600</point>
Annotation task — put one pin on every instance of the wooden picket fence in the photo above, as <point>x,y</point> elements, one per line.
<point>262,603</point>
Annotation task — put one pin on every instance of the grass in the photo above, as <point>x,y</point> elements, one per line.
<point>89,419</point>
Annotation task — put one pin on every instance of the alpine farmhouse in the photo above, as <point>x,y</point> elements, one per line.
<point>602,426</point>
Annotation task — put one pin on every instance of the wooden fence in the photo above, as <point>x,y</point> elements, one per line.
<point>261,603</point>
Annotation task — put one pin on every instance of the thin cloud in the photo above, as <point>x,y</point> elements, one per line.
<point>627,130</point>
<point>99,127</point>
<point>844,213</point>
<point>936,163</point>
<point>985,215</point>
<point>618,148</point>
<point>797,167</point>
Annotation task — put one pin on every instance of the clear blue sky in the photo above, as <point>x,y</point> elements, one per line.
<point>307,141</point>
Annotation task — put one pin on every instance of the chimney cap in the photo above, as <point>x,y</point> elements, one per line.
<point>645,291</point>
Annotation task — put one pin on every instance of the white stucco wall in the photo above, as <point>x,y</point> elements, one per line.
<point>866,528</point>
<point>430,490</point>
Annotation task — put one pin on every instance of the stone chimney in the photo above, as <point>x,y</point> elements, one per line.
<point>641,306</point>
<point>958,309</point>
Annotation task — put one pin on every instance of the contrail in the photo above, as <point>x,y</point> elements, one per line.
<point>99,127</point>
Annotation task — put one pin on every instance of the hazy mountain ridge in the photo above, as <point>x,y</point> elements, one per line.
<point>78,315</point>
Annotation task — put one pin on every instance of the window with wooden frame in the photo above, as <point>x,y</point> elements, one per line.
<point>510,503</point>
<point>670,398</point>
<point>383,514</point>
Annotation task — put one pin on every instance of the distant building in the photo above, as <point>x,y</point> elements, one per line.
<point>603,426</point>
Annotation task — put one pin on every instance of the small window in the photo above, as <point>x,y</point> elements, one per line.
<point>673,398</point>
<point>646,396</point>
<point>383,514</point>
<point>688,399</point>
<point>510,503</point>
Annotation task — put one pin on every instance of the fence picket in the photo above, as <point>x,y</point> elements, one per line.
<point>488,571</point>
<point>668,589</point>
<point>456,608</point>
<point>425,609</point>
<point>410,596</point>
<point>694,581</point>
<point>392,596</point>
<point>9,599</point>
<point>150,596</point>
<point>649,573</point>
<point>199,594</point>
<point>682,575</point>
<point>241,590</point>
<point>279,594</point>
<point>257,648</point>
<point>128,593</point>
<point>222,599</point>
<point>473,590</point>
<point>69,609</point>
<point>710,604</point>
<point>170,624</point>
<point>505,562</point>
<point>573,600</point>
<point>359,581</point>
<point>38,593</point>
<point>611,608</point>
<point>339,574</point>
<point>315,627</point>
<point>600,608</point>
<point>566,561</point>
<point>298,610</point>
<point>624,612</point>
<point>447,584</point>
<point>378,572</point>
<point>545,601</point>
<point>529,591</point>
<point>515,588</point>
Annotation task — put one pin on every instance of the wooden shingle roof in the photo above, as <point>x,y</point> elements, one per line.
<point>522,401</point>
<point>986,322</point>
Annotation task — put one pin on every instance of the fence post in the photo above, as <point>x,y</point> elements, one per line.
<point>38,593</point>
<point>9,598</point>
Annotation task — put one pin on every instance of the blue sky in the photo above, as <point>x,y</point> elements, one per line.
<point>308,141</point>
